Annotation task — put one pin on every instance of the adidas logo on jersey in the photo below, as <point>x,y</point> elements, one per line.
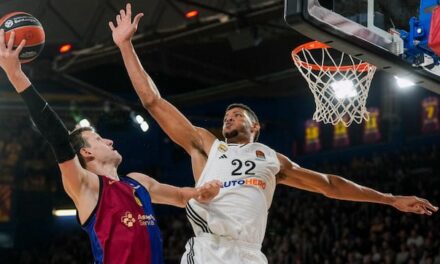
<point>223,156</point>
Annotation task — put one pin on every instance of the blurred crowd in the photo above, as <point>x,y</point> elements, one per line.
<point>309,228</point>
<point>302,228</point>
<point>25,159</point>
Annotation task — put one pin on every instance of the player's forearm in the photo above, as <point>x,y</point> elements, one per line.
<point>49,124</point>
<point>19,80</point>
<point>168,194</point>
<point>343,189</point>
<point>142,83</point>
<point>186,194</point>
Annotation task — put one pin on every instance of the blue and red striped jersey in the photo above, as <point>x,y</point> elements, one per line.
<point>122,228</point>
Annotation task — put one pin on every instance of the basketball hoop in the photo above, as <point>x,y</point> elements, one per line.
<point>340,86</point>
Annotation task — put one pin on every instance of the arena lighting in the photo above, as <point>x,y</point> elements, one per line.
<point>344,89</point>
<point>65,48</point>
<point>144,126</point>
<point>139,119</point>
<point>64,212</point>
<point>403,83</point>
<point>191,14</point>
<point>84,123</point>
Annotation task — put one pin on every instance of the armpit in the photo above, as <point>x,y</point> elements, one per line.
<point>280,177</point>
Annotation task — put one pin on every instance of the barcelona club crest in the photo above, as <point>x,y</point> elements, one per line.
<point>127,219</point>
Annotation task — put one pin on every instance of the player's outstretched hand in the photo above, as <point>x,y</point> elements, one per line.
<point>9,61</point>
<point>208,191</point>
<point>125,28</point>
<point>413,204</point>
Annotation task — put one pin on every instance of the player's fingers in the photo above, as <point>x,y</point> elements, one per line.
<point>430,206</point>
<point>428,209</point>
<point>122,13</point>
<point>2,38</point>
<point>202,190</point>
<point>128,9</point>
<point>11,40</point>
<point>420,211</point>
<point>137,18</point>
<point>214,183</point>
<point>111,25</point>
<point>20,46</point>
<point>118,20</point>
<point>426,204</point>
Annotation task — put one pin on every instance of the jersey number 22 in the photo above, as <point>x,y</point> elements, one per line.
<point>248,170</point>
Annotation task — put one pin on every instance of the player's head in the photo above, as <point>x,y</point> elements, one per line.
<point>240,122</point>
<point>90,146</point>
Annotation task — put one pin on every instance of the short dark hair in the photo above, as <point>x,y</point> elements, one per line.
<point>78,142</point>
<point>253,116</point>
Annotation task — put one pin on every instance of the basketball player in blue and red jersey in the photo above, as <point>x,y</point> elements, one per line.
<point>115,210</point>
<point>231,229</point>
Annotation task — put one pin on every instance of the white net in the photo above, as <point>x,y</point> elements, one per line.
<point>340,86</point>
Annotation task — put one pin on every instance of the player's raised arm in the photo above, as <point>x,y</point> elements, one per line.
<point>336,187</point>
<point>177,196</point>
<point>175,125</point>
<point>47,121</point>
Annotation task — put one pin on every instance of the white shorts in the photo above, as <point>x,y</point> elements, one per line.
<point>212,249</point>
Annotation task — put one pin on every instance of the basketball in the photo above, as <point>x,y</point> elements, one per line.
<point>26,27</point>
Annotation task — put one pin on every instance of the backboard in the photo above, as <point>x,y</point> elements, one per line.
<point>390,34</point>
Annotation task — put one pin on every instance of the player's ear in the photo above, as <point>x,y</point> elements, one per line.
<point>255,127</point>
<point>85,153</point>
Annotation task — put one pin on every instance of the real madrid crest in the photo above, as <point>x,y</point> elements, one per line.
<point>222,148</point>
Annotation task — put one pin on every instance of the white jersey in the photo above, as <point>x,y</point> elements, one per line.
<point>240,210</point>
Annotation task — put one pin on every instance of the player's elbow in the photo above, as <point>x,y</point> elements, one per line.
<point>332,188</point>
<point>150,101</point>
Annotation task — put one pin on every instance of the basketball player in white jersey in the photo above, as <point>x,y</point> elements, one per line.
<point>231,228</point>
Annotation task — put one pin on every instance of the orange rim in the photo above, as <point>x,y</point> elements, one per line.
<point>314,45</point>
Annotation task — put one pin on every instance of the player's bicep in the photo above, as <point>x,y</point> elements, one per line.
<point>74,177</point>
<point>291,174</point>
<point>178,127</point>
<point>163,193</point>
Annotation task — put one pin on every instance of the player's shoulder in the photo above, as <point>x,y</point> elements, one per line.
<point>205,140</point>
<point>205,134</point>
<point>142,179</point>
<point>259,145</point>
<point>139,177</point>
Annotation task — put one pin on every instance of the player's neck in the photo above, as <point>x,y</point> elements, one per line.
<point>104,169</point>
<point>238,140</point>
